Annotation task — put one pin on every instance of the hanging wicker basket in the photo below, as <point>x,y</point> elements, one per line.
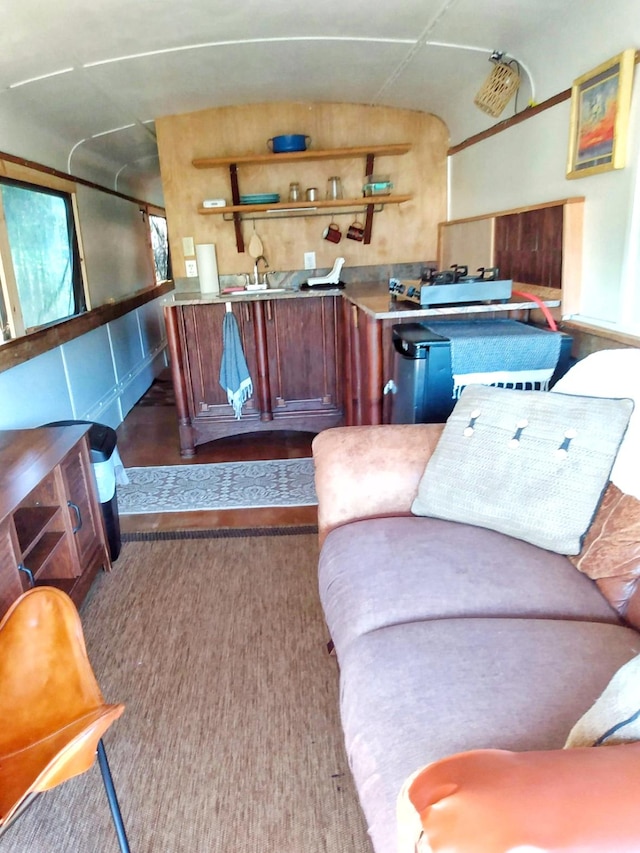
<point>498,89</point>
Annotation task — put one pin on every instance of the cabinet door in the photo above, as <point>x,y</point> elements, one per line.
<point>303,354</point>
<point>201,331</point>
<point>10,582</point>
<point>82,507</point>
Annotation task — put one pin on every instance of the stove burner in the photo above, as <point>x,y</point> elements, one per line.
<point>453,286</point>
<point>460,272</point>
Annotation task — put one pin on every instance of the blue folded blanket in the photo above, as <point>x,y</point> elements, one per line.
<point>234,373</point>
<point>499,352</point>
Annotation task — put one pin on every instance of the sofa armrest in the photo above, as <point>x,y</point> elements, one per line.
<point>492,800</point>
<point>368,471</point>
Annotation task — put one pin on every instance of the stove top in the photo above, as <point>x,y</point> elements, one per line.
<point>453,286</point>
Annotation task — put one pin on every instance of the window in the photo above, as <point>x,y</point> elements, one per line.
<point>42,277</point>
<point>160,247</point>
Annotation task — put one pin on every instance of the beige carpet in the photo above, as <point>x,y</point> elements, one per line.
<point>230,742</point>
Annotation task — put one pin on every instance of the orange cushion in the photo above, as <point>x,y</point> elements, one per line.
<point>495,801</point>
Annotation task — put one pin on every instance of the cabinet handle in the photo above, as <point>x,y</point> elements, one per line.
<point>269,314</point>
<point>28,573</point>
<point>78,515</point>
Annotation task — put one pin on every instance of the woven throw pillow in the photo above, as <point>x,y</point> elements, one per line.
<point>615,715</point>
<point>529,464</point>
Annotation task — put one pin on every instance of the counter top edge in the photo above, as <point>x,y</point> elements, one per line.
<point>373,299</point>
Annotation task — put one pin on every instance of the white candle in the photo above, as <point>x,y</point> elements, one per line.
<point>207,268</point>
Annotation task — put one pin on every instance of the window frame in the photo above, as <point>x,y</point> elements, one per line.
<point>150,211</point>
<point>28,178</point>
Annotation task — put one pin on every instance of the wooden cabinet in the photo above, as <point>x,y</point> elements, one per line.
<point>292,347</point>
<point>51,526</point>
<point>237,211</point>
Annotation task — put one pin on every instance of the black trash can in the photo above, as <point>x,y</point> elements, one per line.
<point>423,384</point>
<point>102,443</point>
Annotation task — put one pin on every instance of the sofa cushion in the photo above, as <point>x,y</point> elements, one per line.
<point>374,573</point>
<point>450,685</point>
<point>526,463</point>
<point>491,801</point>
<point>610,553</point>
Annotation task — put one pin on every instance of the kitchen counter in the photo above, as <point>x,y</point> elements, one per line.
<point>374,299</point>
<point>315,364</point>
<point>292,345</point>
<point>194,297</point>
<point>368,317</point>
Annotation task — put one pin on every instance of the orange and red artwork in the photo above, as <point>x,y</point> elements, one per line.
<point>600,105</point>
<point>596,131</point>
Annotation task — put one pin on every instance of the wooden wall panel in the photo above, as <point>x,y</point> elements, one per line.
<point>400,233</point>
<point>528,246</point>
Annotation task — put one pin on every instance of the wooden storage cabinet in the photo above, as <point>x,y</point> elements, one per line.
<point>51,526</point>
<point>292,349</point>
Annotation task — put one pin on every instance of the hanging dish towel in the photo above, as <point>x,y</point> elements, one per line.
<point>234,373</point>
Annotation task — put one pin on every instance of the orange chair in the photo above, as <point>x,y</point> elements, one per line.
<point>52,714</point>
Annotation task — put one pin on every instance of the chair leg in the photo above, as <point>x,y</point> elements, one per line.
<point>111,796</point>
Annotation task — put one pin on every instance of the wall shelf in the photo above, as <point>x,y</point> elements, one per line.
<point>308,208</point>
<point>236,211</point>
<point>392,150</point>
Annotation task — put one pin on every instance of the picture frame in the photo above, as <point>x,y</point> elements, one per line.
<point>600,106</point>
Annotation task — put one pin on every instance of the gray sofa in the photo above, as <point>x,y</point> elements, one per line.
<point>451,637</point>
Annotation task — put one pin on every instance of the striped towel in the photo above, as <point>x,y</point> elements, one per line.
<point>234,373</point>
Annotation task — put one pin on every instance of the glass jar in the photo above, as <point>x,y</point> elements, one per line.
<point>294,191</point>
<point>334,188</point>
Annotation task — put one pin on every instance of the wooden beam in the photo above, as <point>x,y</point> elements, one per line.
<point>29,346</point>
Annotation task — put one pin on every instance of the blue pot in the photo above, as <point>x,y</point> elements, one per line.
<point>289,142</point>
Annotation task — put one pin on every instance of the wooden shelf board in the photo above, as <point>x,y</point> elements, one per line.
<point>301,206</point>
<point>30,522</point>
<point>40,556</point>
<point>391,150</point>
<point>65,584</point>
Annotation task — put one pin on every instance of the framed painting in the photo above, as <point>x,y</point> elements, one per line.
<point>600,103</point>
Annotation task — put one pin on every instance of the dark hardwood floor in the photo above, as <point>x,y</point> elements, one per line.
<point>149,436</point>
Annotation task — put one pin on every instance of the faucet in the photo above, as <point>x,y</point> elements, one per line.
<point>256,274</point>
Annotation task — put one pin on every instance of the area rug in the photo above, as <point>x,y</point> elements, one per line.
<point>218,486</point>
<point>231,739</point>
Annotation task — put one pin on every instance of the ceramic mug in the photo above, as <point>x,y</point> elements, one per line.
<point>356,232</point>
<point>332,233</point>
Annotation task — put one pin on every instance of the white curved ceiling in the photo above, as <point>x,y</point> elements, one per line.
<point>97,75</point>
